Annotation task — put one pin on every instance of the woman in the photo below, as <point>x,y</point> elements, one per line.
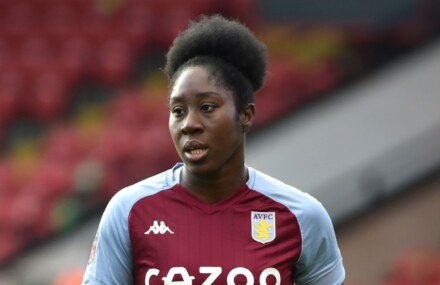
<point>212,219</point>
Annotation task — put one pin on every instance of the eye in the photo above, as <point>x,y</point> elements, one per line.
<point>207,108</point>
<point>177,111</point>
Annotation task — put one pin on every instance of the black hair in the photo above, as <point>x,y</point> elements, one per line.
<point>227,48</point>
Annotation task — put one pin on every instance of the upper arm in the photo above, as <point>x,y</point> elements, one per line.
<point>110,262</point>
<point>320,262</point>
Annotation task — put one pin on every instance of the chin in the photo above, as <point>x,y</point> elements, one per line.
<point>200,168</point>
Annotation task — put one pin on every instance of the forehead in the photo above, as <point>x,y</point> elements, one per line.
<point>192,79</point>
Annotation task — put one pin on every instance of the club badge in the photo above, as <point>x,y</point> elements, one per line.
<point>263,226</point>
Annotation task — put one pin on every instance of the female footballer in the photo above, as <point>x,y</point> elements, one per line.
<point>211,219</point>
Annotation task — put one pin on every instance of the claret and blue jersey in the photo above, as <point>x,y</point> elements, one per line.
<point>156,232</point>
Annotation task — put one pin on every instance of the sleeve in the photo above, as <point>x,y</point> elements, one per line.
<point>320,262</point>
<point>110,261</point>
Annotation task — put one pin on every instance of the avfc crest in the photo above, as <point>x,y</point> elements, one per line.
<point>263,226</point>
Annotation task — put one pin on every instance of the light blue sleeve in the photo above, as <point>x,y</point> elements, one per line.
<point>110,261</point>
<point>320,262</point>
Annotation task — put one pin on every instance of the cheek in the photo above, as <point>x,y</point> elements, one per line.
<point>229,131</point>
<point>172,128</point>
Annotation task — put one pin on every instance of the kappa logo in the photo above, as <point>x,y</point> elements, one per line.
<point>157,228</point>
<point>263,226</point>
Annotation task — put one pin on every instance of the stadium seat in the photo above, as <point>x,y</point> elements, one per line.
<point>171,22</point>
<point>35,55</point>
<point>136,26</point>
<point>11,94</point>
<point>245,10</point>
<point>282,92</point>
<point>128,110</point>
<point>8,183</point>
<point>18,20</point>
<point>48,97</point>
<point>114,63</point>
<point>95,26</point>
<point>59,21</point>
<point>153,152</point>
<point>75,56</point>
<point>321,78</point>
<point>10,245</point>
<point>23,212</point>
<point>62,143</point>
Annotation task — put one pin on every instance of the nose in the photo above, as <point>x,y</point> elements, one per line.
<point>191,123</point>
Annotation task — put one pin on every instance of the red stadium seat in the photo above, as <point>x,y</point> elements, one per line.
<point>11,94</point>
<point>35,55</point>
<point>245,10</point>
<point>59,21</point>
<point>282,92</point>
<point>95,26</point>
<point>136,25</point>
<point>18,21</point>
<point>10,244</point>
<point>113,151</point>
<point>321,78</point>
<point>52,180</point>
<point>62,143</point>
<point>171,22</point>
<point>129,110</point>
<point>114,62</point>
<point>49,97</point>
<point>23,211</point>
<point>147,158</point>
<point>6,50</point>
<point>75,56</point>
<point>8,182</point>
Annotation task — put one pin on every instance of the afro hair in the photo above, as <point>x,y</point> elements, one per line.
<point>220,38</point>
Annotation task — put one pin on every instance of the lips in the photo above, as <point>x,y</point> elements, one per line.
<point>194,150</point>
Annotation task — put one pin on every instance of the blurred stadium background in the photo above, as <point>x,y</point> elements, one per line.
<point>350,113</point>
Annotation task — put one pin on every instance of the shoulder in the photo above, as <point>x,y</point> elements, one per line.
<point>320,261</point>
<point>301,204</point>
<point>123,201</point>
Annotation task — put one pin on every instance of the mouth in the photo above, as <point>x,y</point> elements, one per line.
<point>194,151</point>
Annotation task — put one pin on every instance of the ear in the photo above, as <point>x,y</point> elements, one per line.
<point>247,117</point>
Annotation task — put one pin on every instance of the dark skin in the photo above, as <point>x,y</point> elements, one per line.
<point>209,135</point>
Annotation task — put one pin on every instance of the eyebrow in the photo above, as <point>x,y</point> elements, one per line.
<point>179,98</point>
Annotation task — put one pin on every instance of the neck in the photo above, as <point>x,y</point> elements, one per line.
<point>217,187</point>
